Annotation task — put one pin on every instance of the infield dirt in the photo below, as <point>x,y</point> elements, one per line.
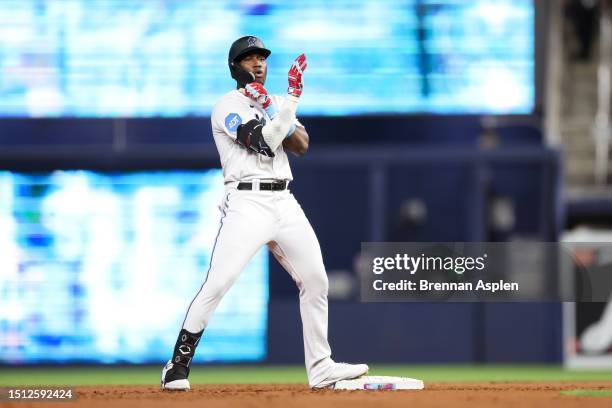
<point>511,394</point>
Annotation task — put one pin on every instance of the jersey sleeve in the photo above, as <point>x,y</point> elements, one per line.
<point>279,100</point>
<point>230,113</point>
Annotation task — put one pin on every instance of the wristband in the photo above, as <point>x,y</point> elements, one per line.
<point>271,110</point>
<point>290,131</point>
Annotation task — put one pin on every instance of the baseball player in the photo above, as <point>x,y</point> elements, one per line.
<point>252,130</point>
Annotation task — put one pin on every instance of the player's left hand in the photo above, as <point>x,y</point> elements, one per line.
<point>295,76</point>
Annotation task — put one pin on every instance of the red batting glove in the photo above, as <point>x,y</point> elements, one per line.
<point>258,93</point>
<point>295,76</point>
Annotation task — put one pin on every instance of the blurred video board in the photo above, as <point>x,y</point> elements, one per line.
<point>101,267</point>
<point>133,58</point>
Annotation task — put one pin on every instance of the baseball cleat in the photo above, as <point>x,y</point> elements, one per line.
<point>343,371</point>
<point>174,377</point>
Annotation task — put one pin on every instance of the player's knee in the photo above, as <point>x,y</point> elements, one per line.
<point>317,284</point>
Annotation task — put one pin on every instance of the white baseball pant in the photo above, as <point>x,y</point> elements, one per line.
<point>249,220</point>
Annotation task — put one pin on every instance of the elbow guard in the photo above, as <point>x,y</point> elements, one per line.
<point>250,137</point>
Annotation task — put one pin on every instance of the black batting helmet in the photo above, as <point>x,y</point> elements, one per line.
<point>240,49</point>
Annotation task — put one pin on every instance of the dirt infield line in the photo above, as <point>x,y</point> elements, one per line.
<point>499,394</point>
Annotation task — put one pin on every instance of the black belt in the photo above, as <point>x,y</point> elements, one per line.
<point>272,186</point>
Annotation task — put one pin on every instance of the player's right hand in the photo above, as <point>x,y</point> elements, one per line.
<point>295,76</point>
<point>258,93</point>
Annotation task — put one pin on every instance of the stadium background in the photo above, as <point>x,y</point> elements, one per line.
<point>429,121</point>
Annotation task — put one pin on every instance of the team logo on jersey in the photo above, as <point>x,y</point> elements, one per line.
<point>232,121</point>
<point>261,120</point>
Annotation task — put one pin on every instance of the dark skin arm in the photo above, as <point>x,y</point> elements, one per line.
<point>297,143</point>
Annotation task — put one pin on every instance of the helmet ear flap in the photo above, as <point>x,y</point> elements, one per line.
<point>241,76</point>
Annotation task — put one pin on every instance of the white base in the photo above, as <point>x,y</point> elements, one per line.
<point>370,382</point>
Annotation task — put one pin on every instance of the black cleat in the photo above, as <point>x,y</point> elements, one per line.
<point>174,377</point>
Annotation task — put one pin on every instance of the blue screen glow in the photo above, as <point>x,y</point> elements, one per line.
<point>134,58</point>
<point>101,267</point>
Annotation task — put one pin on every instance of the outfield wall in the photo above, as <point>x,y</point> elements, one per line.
<point>395,193</point>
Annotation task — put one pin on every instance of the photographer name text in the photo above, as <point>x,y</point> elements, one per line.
<point>425,285</point>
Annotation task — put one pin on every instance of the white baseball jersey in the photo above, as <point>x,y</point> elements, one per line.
<point>240,164</point>
<point>253,218</point>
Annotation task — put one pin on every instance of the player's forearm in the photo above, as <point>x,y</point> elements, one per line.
<point>275,131</point>
<point>298,142</point>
